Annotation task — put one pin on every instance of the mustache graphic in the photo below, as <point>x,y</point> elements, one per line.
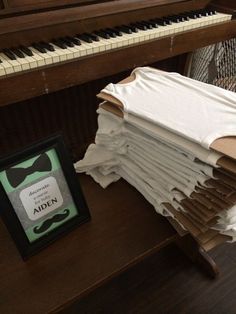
<point>49,222</point>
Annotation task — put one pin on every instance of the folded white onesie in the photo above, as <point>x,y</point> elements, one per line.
<point>195,110</point>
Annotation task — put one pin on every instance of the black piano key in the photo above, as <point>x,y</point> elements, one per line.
<point>59,43</point>
<point>129,28</point>
<point>168,21</point>
<point>117,32</point>
<point>212,12</point>
<point>208,12</point>
<point>174,19</point>
<point>67,42</point>
<point>39,47</point>
<point>110,33</point>
<point>203,12</point>
<point>134,29</point>
<point>93,37</point>
<point>148,25</point>
<point>185,17</point>
<point>181,17</point>
<point>140,26</point>
<point>161,22</point>
<point>26,51</point>
<point>190,14</point>
<point>197,14</point>
<point>153,23</point>
<point>85,38</point>
<point>9,54</point>
<point>47,46</point>
<point>0,61</point>
<point>74,40</point>
<point>17,52</point>
<point>102,34</point>
<point>124,29</point>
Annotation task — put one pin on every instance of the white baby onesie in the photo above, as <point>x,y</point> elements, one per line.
<point>192,109</point>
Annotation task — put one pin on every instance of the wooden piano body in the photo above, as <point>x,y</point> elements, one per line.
<point>62,97</point>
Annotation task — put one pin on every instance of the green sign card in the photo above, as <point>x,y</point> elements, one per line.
<point>40,195</point>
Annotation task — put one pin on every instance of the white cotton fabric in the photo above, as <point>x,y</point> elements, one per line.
<point>161,172</point>
<point>194,110</point>
<point>226,223</point>
<point>109,123</point>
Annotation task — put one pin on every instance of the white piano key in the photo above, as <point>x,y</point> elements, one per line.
<point>14,63</point>
<point>46,57</point>
<point>185,25</point>
<point>101,44</point>
<point>88,47</point>
<point>31,61</point>
<point>2,70</point>
<point>152,33</point>
<point>128,39</point>
<point>124,40</point>
<point>223,17</point>
<point>72,53</point>
<point>108,44</point>
<point>82,50</point>
<point>62,54</point>
<point>114,42</point>
<point>54,56</point>
<point>24,64</point>
<point>160,32</point>
<point>37,57</point>
<point>206,20</point>
<point>6,65</point>
<point>157,32</point>
<point>169,30</point>
<point>96,46</point>
<point>191,24</point>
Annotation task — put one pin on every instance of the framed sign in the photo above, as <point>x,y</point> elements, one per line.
<point>40,196</point>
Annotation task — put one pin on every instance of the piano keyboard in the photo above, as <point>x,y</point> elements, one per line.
<point>18,59</point>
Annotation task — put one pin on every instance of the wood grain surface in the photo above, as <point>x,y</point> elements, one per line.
<point>124,230</point>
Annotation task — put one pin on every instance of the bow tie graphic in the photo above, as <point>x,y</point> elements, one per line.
<point>16,176</point>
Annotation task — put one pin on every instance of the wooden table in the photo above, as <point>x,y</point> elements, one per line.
<point>124,229</point>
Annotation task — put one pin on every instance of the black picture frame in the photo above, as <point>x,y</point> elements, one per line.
<point>18,197</point>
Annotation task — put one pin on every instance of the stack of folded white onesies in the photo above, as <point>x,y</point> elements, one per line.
<point>157,132</point>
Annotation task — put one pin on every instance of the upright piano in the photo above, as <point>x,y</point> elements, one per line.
<point>56,55</point>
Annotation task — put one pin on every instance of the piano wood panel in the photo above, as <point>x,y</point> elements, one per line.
<point>96,16</point>
<point>225,6</point>
<point>44,4</point>
<point>43,81</point>
<point>1,5</point>
<point>25,31</point>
